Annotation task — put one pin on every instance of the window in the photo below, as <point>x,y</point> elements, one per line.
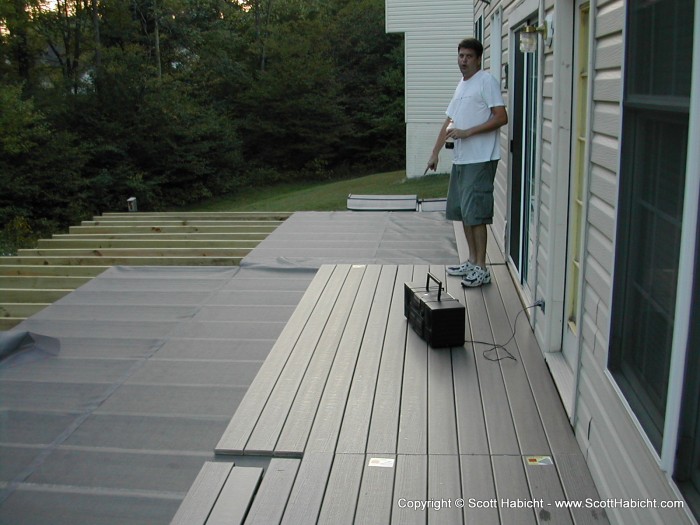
<point>479,29</point>
<point>652,180</point>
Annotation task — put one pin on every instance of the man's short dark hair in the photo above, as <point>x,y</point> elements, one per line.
<point>472,43</point>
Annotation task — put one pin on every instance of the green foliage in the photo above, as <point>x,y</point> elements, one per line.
<point>40,166</point>
<point>177,101</point>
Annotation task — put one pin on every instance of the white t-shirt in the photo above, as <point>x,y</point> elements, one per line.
<point>470,106</point>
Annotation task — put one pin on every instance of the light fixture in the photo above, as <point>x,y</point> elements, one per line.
<point>528,35</point>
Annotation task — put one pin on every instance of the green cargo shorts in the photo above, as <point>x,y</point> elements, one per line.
<point>470,194</point>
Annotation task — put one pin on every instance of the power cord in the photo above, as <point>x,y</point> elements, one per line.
<point>494,346</point>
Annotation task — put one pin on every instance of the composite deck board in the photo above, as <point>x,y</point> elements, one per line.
<point>410,485</point>
<point>306,498</point>
<point>511,485</point>
<point>442,423</point>
<point>471,428</point>
<point>444,489</point>
<point>546,490</point>
<point>499,422</point>
<point>271,499</point>
<point>323,332</point>
<point>306,404</point>
<point>526,417</point>
<point>478,490</point>
<point>358,410</point>
<point>200,499</point>
<point>241,425</point>
<point>341,495</point>
<point>577,484</point>
<point>376,499</point>
<point>326,427</point>
<point>236,496</point>
<point>413,423</point>
<point>384,425</point>
<point>350,381</point>
<point>557,427</point>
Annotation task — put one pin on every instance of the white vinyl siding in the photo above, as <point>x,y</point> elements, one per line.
<point>432,29</point>
<point>621,458</point>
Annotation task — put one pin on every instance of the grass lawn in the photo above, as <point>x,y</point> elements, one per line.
<point>315,196</point>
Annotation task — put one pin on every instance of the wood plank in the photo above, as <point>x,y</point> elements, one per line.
<point>499,422</point>
<point>444,489</point>
<point>545,490</point>
<point>42,282</point>
<point>556,424</point>
<point>94,244</point>
<point>246,416</point>
<point>410,486</point>
<point>321,433</point>
<point>479,491</point>
<point>183,236</point>
<point>578,485</point>
<point>358,410</point>
<point>236,496</point>
<point>307,494</point>
<point>471,426</point>
<point>210,215</point>
<point>271,499</point>
<point>320,337</point>
<point>21,310</point>
<point>17,295</point>
<point>177,228</point>
<point>203,493</point>
<point>526,417</point>
<point>442,424</point>
<point>136,252</point>
<point>376,498</point>
<point>413,423</point>
<point>159,222</point>
<point>384,425</point>
<point>56,271</point>
<point>124,261</point>
<point>340,499</point>
<point>511,486</point>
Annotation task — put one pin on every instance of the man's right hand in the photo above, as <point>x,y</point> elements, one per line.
<point>432,163</point>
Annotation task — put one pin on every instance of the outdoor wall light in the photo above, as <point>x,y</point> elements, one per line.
<point>528,36</point>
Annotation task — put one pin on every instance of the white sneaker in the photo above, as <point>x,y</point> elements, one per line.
<point>461,270</point>
<point>477,277</point>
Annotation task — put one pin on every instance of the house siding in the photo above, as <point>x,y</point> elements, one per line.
<point>622,461</point>
<point>432,31</point>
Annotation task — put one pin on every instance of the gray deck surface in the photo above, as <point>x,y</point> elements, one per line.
<point>112,417</point>
<point>348,385</point>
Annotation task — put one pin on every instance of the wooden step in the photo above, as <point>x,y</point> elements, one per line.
<point>37,270</point>
<point>20,310</point>
<point>7,323</point>
<point>172,228</point>
<point>26,282</point>
<point>144,243</point>
<point>136,252</point>
<point>195,236</point>
<point>199,215</point>
<point>125,261</point>
<point>13,295</point>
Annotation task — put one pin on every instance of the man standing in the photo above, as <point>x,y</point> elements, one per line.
<point>474,117</point>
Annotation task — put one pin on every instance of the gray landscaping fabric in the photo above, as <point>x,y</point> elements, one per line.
<point>112,398</point>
